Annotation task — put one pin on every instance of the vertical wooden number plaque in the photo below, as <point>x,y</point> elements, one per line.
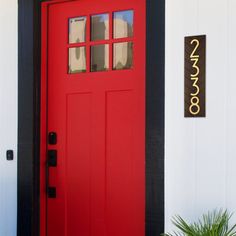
<point>195,76</point>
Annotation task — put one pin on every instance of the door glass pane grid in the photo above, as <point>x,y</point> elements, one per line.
<point>101,42</point>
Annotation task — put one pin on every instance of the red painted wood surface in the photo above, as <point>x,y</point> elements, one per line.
<point>99,118</point>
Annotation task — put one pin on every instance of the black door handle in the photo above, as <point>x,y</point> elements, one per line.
<point>51,162</point>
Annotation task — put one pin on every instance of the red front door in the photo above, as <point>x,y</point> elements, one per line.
<point>96,118</point>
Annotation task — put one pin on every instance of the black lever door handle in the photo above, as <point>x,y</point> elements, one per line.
<point>52,158</point>
<point>51,162</point>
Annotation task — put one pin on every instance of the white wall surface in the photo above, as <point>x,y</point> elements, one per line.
<point>8,116</point>
<point>201,153</point>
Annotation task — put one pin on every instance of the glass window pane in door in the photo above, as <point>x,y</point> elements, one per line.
<point>123,24</point>
<point>77,30</point>
<point>100,57</point>
<point>100,27</point>
<point>122,56</point>
<point>77,60</point>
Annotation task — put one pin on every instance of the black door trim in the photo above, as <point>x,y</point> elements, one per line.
<point>29,117</point>
<point>155,116</point>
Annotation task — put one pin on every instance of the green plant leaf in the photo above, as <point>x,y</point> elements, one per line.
<point>214,223</point>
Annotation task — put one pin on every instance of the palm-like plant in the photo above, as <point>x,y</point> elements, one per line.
<point>214,223</point>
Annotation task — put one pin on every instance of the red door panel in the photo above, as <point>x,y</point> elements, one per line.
<point>120,165</point>
<point>99,119</point>
<point>78,169</point>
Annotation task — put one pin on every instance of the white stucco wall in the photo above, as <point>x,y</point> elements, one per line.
<point>200,154</point>
<point>8,116</point>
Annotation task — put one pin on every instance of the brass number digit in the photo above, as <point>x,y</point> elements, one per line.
<point>195,66</point>
<point>195,104</point>
<point>196,86</point>
<point>195,49</point>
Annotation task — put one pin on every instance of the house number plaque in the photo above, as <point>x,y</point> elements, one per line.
<point>195,76</point>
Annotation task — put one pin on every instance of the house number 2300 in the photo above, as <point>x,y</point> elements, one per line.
<point>194,108</point>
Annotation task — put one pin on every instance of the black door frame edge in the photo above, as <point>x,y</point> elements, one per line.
<point>28,117</point>
<point>29,50</point>
<point>155,117</point>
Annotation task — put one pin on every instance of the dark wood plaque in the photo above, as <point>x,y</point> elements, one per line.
<point>195,76</point>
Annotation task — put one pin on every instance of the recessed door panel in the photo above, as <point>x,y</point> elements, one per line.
<point>120,158</point>
<point>77,164</point>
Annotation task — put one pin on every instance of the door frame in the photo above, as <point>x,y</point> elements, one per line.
<point>29,115</point>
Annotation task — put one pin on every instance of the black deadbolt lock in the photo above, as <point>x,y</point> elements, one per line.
<point>52,138</point>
